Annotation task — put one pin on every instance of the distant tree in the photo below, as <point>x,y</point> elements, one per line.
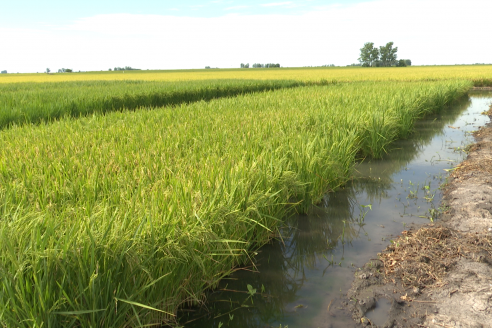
<point>258,65</point>
<point>408,62</point>
<point>207,67</point>
<point>242,65</point>
<point>388,54</point>
<point>48,70</point>
<point>68,70</point>
<point>126,68</point>
<point>401,63</point>
<point>369,55</point>
<point>109,70</point>
<point>4,72</point>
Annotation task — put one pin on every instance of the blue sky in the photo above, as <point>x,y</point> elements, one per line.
<point>151,34</point>
<point>29,13</point>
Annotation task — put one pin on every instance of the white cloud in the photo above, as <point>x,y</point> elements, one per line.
<point>425,31</point>
<point>236,7</point>
<point>276,4</point>
<point>195,7</point>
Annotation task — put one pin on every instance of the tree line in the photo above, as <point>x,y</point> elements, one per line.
<point>258,65</point>
<point>384,56</point>
<point>60,70</point>
<point>126,68</point>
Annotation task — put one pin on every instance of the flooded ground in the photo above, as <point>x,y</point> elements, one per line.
<point>298,281</point>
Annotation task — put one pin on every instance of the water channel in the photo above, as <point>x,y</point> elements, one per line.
<point>299,280</point>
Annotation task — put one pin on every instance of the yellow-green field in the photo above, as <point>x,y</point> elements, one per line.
<point>31,102</point>
<point>116,210</point>
<point>344,74</point>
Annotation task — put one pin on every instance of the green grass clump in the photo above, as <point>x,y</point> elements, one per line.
<point>117,220</point>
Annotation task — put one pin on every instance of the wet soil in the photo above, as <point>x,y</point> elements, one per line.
<point>439,274</point>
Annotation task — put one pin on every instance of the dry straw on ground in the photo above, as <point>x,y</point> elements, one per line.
<point>421,258</point>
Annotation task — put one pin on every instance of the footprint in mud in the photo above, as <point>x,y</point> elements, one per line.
<point>379,314</point>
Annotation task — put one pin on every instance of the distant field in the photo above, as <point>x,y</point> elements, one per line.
<point>35,98</point>
<point>480,74</point>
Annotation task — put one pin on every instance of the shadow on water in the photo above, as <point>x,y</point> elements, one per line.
<point>298,278</point>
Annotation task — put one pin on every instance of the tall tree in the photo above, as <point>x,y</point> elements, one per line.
<point>369,54</point>
<point>401,63</point>
<point>388,54</point>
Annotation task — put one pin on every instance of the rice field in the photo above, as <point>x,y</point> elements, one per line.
<point>117,218</point>
<point>26,103</point>
<point>481,75</point>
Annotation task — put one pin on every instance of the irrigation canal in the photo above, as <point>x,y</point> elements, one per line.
<point>303,277</point>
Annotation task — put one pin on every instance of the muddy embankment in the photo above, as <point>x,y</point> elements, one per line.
<point>440,274</point>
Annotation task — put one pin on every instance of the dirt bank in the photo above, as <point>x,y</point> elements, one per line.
<point>438,275</point>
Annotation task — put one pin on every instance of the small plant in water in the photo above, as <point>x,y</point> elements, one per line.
<point>363,213</point>
<point>433,213</point>
<point>412,194</point>
<point>343,233</point>
<point>429,197</point>
<point>251,292</point>
<point>332,262</point>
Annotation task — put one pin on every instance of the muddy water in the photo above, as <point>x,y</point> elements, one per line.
<point>299,281</point>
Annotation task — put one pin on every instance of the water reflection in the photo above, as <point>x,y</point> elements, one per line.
<point>296,277</point>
